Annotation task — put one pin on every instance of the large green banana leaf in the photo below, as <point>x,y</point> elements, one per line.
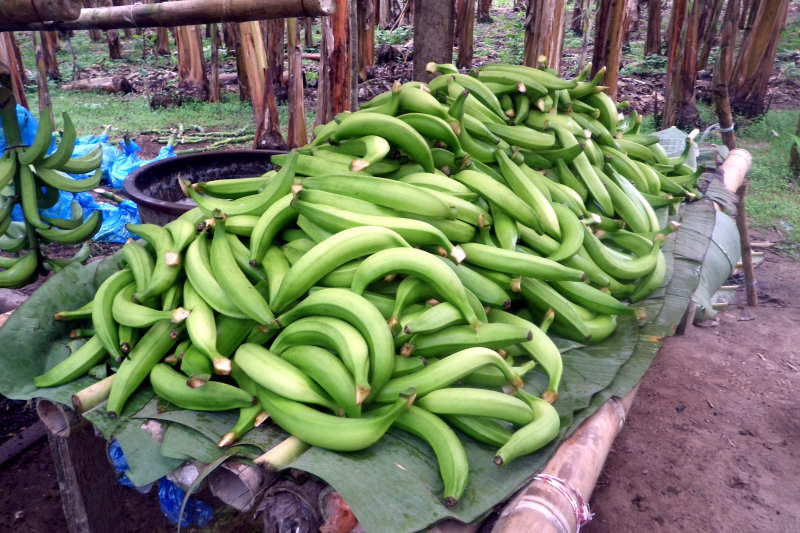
<point>394,485</point>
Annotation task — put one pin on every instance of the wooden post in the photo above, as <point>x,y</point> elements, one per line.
<point>89,490</point>
<point>9,56</point>
<point>213,82</point>
<point>296,135</point>
<point>434,20</point>
<point>465,23</point>
<point>608,42</point>
<point>544,32</point>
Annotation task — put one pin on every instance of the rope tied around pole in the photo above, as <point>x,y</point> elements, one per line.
<point>716,127</point>
<point>582,512</point>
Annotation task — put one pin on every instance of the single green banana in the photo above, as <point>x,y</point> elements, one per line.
<point>450,454</point>
<point>152,346</point>
<point>327,431</point>
<point>336,335</point>
<point>65,147</point>
<point>543,297</point>
<point>416,263</point>
<point>171,385</point>
<point>202,329</point>
<point>128,313</point>
<point>78,363</point>
<point>198,271</point>
<point>330,254</point>
<point>481,429</point>
<point>281,377</point>
<point>233,281</point>
<point>359,312</point>
<point>533,436</point>
<point>74,235</point>
<point>85,163</point>
<point>102,311</point>
<point>62,181</point>
<point>456,338</point>
<point>41,142</point>
<point>476,402</point>
<point>519,264</point>
<point>328,372</point>
<point>446,371</point>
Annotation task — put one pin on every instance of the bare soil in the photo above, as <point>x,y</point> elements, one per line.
<point>710,442</point>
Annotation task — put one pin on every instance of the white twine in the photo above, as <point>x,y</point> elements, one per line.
<point>582,512</point>
<point>716,127</point>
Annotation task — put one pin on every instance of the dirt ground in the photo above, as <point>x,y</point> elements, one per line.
<point>710,442</point>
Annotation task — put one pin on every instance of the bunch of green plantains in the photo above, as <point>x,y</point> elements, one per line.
<point>34,179</point>
<point>403,270</point>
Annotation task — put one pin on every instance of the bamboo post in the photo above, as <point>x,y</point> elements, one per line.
<point>175,13</point>
<point>59,421</point>
<point>541,506</point>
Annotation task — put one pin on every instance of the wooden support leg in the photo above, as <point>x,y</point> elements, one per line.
<point>89,490</point>
<point>747,256</point>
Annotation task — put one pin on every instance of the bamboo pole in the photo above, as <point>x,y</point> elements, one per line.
<point>177,13</point>
<point>540,506</point>
<point>239,484</point>
<point>26,11</point>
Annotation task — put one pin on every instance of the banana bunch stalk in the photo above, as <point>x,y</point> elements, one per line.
<point>403,270</point>
<point>32,178</point>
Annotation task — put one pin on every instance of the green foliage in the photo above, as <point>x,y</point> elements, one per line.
<point>652,64</point>
<point>402,34</point>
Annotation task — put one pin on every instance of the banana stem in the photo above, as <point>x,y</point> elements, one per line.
<point>281,456</point>
<point>92,395</point>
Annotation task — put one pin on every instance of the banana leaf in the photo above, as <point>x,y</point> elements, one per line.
<point>400,471</point>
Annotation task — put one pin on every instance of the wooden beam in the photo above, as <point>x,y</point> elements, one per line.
<point>176,13</point>
<point>26,11</point>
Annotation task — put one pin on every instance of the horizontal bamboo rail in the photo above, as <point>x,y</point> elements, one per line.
<point>178,13</point>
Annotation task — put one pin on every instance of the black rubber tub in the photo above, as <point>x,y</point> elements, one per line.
<point>154,187</point>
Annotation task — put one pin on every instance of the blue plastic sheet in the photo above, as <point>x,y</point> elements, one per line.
<point>27,128</point>
<point>171,496</point>
<point>119,463</point>
<point>115,216</point>
<point>129,160</point>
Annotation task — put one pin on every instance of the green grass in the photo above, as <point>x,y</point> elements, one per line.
<point>132,113</point>
<point>773,201</point>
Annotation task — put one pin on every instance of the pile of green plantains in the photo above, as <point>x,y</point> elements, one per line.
<point>403,270</point>
<point>33,179</point>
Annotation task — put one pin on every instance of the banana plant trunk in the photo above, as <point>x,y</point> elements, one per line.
<point>340,57</point>
<point>366,38</point>
<point>49,46</point>
<point>213,82</point>
<point>652,44</point>
<point>41,80</point>
<point>680,106</point>
<point>756,58</point>
<point>484,6</point>
<point>544,33</point>
<point>192,78</point>
<point>576,19</point>
<point>708,31</point>
<point>465,24</point>
<point>9,55</point>
<point>434,21</point>
<point>296,135</point>
<point>325,76</point>
<point>608,41</point>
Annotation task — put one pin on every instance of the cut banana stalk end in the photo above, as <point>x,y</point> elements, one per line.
<point>407,350</point>
<point>172,258</point>
<point>357,165</point>
<point>517,382</point>
<point>262,417</point>
<point>640,314</point>
<point>550,396</point>
<point>506,305</point>
<point>458,254</point>
<point>125,348</point>
<point>179,315</point>
<point>515,285</point>
<point>174,333</point>
<point>431,302</point>
<point>184,185</point>
<point>430,67</point>
<point>450,501</point>
<point>281,456</point>
<point>227,439</point>
<point>498,460</point>
<point>362,391</point>
<point>170,359</point>
<point>392,322</point>
<point>222,366</point>
<point>502,353</point>
<point>195,382</point>
<point>389,278</point>
<point>521,87</point>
